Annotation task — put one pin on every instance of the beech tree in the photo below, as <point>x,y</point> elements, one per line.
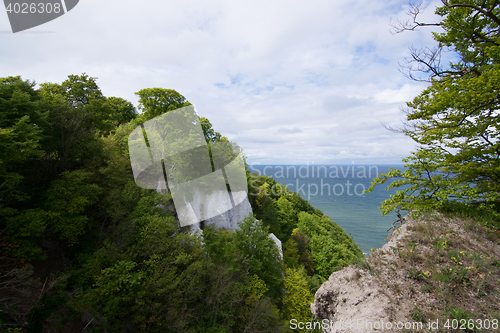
<point>455,121</point>
<point>20,136</point>
<point>78,114</point>
<point>298,298</point>
<point>156,101</point>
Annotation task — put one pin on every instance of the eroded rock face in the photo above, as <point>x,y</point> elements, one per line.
<point>358,299</point>
<point>278,243</point>
<point>231,218</point>
<point>228,219</point>
<point>351,301</point>
<point>399,288</point>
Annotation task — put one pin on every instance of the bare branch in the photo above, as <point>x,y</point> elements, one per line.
<point>428,61</point>
<point>414,10</point>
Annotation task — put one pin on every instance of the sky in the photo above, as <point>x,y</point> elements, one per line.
<point>291,82</point>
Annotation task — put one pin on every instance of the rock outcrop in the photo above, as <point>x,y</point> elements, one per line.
<point>353,300</point>
<point>432,268</point>
<point>231,218</point>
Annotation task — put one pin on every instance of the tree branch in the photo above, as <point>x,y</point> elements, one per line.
<point>414,11</point>
<point>487,13</point>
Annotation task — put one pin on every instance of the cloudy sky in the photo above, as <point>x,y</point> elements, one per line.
<point>292,82</point>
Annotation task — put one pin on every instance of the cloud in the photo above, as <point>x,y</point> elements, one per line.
<point>289,81</point>
<point>289,130</point>
<point>335,104</point>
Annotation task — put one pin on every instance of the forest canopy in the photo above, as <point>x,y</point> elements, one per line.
<point>79,238</point>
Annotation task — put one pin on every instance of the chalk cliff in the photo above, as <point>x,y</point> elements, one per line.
<point>229,219</point>
<point>232,217</point>
<point>434,268</point>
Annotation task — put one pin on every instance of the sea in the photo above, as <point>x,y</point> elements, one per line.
<point>338,191</point>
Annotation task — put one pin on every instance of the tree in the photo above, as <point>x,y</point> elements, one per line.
<point>210,134</point>
<point>20,133</point>
<point>156,101</point>
<point>67,199</point>
<point>253,241</point>
<point>287,217</point>
<point>77,113</point>
<point>122,111</point>
<point>455,121</point>
<point>331,248</point>
<point>296,303</point>
<point>21,123</point>
<point>18,143</point>
<point>270,217</point>
<point>302,243</point>
<point>291,254</point>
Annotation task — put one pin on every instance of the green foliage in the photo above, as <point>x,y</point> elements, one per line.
<point>287,217</point>
<point>330,256</point>
<point>19,143</point>
<point>77,115</point>
<point>455,120</point>
<point>67,199</point>
<point>115,284</point>
<point>416,274</point>
<point>417,315</point>
<point>459,314</point>
<point>122,110</point>
<point>315,282</point>
<point>331,248</point>
<point>255,287</point>
<point>270,217</point>
<point>261,253</point>
<point>296,302</point>
<point>250,304</point>
<point>291,254</point>
<point>20,136</point>
<point>221,246</point>
<point>210,134</point>
<point>302,242</point>
<point>26,228</point>
<point>453,275</point>
<point>145,289</point>
<point>312,224</point>
<point>68,195</point>
<point>18,98</point>
<point>171,285</point>
<point>156,101</point>
<point>262,187</point>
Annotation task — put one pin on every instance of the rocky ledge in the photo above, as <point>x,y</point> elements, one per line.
<point>433,269</point>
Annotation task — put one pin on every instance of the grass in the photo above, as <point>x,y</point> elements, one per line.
<point>361,263</point>
<point>488,217</point>
<point>417,315</point>
<point>417,275</point>
<point>445,261</point>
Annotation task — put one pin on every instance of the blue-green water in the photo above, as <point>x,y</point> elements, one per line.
<point>337,190</point>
